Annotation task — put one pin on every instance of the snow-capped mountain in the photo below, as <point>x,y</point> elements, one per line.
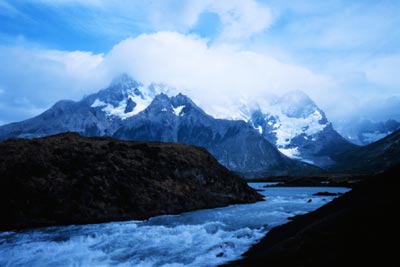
<point>292,122</point>
<point>125,97</point>
<point>131,111</point>
<point>365,131</point>
<point>99,114</point>
<point>235,144</point>
<point>299,129</point>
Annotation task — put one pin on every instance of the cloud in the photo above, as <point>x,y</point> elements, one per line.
<point>96,3</point>
<point>239,18</point>
<point>7,9</point>
<point>384,71</point>
<point>341,53</point>
<point>210,74</point>
<point>242,19</point>
<point>33,79</point>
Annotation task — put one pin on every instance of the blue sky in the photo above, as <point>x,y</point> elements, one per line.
<point>344,54</point>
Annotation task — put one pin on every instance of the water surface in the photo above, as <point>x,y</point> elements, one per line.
<point>199,238</point>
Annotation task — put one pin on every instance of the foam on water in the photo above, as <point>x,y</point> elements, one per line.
<point>200,238</point>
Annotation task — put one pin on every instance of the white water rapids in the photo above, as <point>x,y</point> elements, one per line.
<point>199,238</point>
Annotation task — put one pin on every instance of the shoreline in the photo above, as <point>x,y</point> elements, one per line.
<point>331,180</point>
<point>355,228</point>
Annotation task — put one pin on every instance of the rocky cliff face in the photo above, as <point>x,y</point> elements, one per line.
<point>69,179</point>
<point>234,143</point>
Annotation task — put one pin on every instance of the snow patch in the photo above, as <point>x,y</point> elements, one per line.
<point>142,102</point>
<point>291,152</point>
<point>233,109</point>
<point>308,161</point>
<point>98,103</point>
<point>288,127</point>
<point>260,129</point>
<point>178,110</point>
<point>294,153</point>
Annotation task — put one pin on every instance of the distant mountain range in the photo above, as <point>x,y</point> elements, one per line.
<point>277,138</point>
<point>365,131</point>
<point>130,111</point>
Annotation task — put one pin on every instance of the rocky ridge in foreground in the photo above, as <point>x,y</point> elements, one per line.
<point>70,179</point>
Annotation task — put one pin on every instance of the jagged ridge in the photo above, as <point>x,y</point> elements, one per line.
<point>131,111</point>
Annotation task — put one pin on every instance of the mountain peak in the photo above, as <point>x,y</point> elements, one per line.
<point>178,105</point>
<point>296,97</point>
<point>181,99</point>
<point>125,81</point>
<point>296,104</point>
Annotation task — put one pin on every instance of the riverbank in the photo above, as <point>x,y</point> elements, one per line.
<point>322,180</point>
<point>356,229</point>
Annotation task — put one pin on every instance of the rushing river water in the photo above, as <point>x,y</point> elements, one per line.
<point>199,238</point>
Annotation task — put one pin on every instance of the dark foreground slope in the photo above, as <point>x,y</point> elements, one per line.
<point>375,157</point>
<point>67,178</point>
<point>358,229</point>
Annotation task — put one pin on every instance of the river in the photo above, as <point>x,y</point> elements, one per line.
<point>200,238</point>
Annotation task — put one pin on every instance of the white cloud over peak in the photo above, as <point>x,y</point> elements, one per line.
<point>210,74</point>
<point>33,78</point>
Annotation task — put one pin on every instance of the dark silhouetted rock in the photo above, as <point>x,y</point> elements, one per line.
<point>69,179</point>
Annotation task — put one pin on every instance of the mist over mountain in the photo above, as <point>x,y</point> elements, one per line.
<point>365,131</point>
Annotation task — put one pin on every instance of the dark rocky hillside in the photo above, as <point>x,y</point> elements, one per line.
<point>69,179</point>
<point>376,157</point>
<point>358,229</point>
